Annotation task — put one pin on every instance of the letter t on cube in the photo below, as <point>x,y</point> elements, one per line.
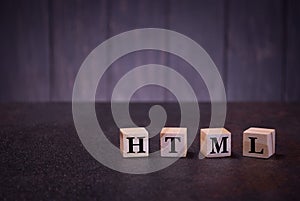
<point>134,142</point>
<point>215,142</point>
<point>173,142</point>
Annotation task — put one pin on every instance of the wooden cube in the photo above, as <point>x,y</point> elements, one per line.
<point>134,142</point>
<point>173,142</point>
<point>215,142</point>
<point>259,142</point>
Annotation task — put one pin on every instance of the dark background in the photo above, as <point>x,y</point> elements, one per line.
<point>255,45</point>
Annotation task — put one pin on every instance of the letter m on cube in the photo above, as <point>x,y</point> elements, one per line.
<point>215,142</point>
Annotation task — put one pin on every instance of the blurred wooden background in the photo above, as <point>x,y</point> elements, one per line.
<point>255,45</point>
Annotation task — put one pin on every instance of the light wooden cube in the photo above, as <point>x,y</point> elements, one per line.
<point>173,142</point>
<point>259,142</point>
<point>215,142</point>
<point>134,142</point>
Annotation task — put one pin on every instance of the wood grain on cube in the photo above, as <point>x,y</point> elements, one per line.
<point>215,142</point>
<point>259,142</point>
<point>173,142</point>
<point>134,142</point>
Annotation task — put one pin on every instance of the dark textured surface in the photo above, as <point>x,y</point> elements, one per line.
<point>42,158</point>
<point>207,20</point>
<point>77,27</point>
<point>24,50</point>
<point>292,47</point>
<point>255,45</point>
<point>127,15</point>
<point>255,50</point>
